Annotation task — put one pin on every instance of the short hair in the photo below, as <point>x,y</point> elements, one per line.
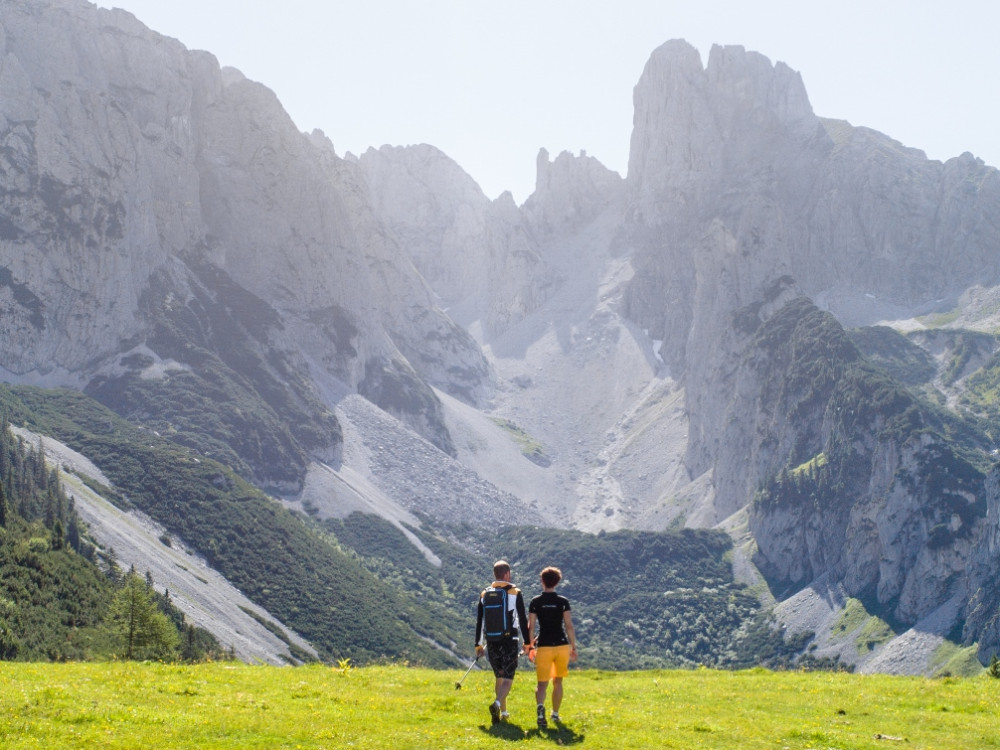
<point>500,567</point>
<point>551,577</point>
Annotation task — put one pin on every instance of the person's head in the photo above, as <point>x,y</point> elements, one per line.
<point>551,577</point>
<point>501,570</point>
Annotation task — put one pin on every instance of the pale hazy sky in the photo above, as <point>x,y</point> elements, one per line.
<point>489,83</point>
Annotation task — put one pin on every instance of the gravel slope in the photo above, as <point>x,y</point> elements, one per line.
<point>206,598</point>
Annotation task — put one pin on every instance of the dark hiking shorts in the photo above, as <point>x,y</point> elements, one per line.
<point>503,657</point>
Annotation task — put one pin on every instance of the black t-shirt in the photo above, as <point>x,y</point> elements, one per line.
<point>548,608</point>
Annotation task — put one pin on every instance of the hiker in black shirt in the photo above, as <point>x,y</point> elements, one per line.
<point>555,645</point>
<point>503,653</point>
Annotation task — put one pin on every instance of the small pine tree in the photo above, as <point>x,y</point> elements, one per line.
<point>994,668</point>
<point>73,532</point>
<point>142,630</point>
<point>113,569</point>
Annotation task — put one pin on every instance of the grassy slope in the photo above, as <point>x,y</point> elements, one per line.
<point>237,706</point>
<point>263,549</point>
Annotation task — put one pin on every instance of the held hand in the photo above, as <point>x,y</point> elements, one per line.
<point>527,648</point>
<point>480,650</point>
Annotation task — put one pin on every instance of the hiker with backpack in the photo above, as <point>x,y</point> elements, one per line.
<point>499,617</point>
<point>555,645</point>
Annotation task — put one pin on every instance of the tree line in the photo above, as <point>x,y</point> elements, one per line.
<point>62,597</point>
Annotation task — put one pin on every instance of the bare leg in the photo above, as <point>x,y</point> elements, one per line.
<point>540,693</point>
<point>556,693</point>
<point>502,689</point>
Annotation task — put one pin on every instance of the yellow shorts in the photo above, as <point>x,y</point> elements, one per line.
<point>551,661</point>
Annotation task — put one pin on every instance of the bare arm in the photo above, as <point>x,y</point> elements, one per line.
<point>480,648</point>
<point>570,633</point>
<point>523,621</point>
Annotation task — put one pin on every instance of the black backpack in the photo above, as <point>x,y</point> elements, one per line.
<point>497,621</point>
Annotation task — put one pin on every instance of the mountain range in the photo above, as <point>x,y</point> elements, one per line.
<point>777,325</point>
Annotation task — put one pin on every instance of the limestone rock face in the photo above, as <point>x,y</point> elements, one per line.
<point>435,211</point>
<point>854,479</point>
<point>891,545</point>
<point>569,192</point>
<point>735,187</point>
<point>78,181</point>
<point>740,199</point>
<point>981,594</point>
<point>124,154</point>
<point>477,255</point>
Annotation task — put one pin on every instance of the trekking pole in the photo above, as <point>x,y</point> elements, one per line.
<point>458,685</point>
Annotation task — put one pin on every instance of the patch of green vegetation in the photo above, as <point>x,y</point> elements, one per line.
<point>981,397</point>
<point>530,448</point>
<point>810,467</point>
<point>965,346</point>
<point>901,358</point>
<point>940,320</point>
<point>851,618</point>
<point>951,660</point>
<point>873,633</point>
<point>869,631</point>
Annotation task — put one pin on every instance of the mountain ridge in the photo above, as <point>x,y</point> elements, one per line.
<point>171,245</point>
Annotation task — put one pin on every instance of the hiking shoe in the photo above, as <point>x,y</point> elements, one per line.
<point>542,723</point>
<point>555,716</point>
<point>495,712</point>
<point>504,717</point>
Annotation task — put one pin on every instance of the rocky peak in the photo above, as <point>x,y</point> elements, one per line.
<point>692,124</point>
<point>734,184</point>
<point>746,84</point>
<point>570,191</point>
<point>477,255</point>
<point>435,211</point>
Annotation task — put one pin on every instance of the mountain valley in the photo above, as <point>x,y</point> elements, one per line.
<point>347,382</point>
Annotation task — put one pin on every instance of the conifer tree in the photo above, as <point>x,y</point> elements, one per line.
<point>58,536</point>
<point>142,630</point>
<point>73,532</point>
<point>50,511</point>
<point>111,560</point>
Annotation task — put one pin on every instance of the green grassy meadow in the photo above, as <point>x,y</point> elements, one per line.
<point>226,705</point>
